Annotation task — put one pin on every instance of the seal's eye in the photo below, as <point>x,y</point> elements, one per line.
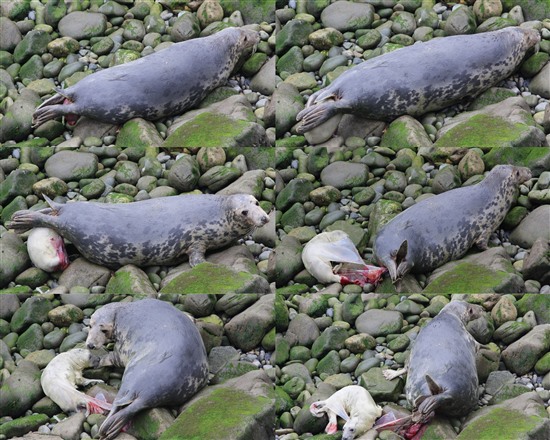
<point>245,212</point>
<point>104,331</point>
<point>257,203</point>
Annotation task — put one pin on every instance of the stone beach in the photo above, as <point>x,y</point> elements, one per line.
<point>277,339</point>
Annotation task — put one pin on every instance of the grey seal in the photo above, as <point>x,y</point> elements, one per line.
<point>443,227</point>
<point>158,85</point>
<point>150,232</point>
<point>162,352</point>
<point>421,78</point>
<point>442,375</point>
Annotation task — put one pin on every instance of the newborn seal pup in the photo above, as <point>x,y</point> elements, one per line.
<point>150,232</point>
<point>47,250</point>
<point>62,375</point>
<point>443,227</point>
<point>164,83</point>
<point>421,78</point>
<point>162,351</point>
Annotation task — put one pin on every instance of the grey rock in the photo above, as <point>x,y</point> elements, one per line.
<point>82,25</point>
<point>33,311</point>
<point>540,84</point>
<point>251,182</point>
<point>536,265</point>
<point>83,273</point>
<point>252,390</point>
<point>348,16</point>
<point>302,330</point>
<point>379,322</point>
<point>521,356</point>
<point>11,35</point>
<point>342,175</point>
<point>71,427</point>
<point>536,225</point>
<point>247,329</point>
<point>9,304</point>
<point>72,165</point>
<point>14,257</point>
<point>263,82</point>
<point>21,390</point>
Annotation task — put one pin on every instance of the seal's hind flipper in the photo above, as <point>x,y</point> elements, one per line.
<point>46,112</point>
<point>55,207</point>
<point>24,220</point>
<point>314,116</point>
<point>433,386</point>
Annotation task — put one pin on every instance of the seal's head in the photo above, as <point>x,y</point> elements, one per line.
<point>512,174</point>
<point>246,211</point>
<point>463,310</point>
<point>102,324</point>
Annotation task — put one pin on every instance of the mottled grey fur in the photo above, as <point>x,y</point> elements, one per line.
<point>421,78</point>
<point>162,351</point>
<point>150,232</point>
<point>158,85</point>
<point>443,227</point>
<point>446,352</point>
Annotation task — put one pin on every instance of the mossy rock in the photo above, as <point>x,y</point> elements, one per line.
<point>211,278</point>
<point>23,425</point>
<point>130,280</point>
<point>500,423</point>
<point>536,159</point>
<point>485,132</point>
<point>140,135</point>
<point>215,419</point>
<point>469,278</point>
<point>539,304</point>
<point>199,132</point>
<point>532,9</point>
<point>491,96</point>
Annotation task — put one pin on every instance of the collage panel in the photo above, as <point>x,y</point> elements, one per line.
<point>132,367</point>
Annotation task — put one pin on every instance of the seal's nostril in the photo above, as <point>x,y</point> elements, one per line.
<point>90,346</point>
